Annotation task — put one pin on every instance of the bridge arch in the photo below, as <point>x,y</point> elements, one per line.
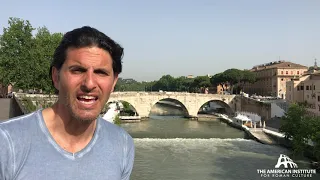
<point>218,106</point>
<point>131,102</point>
<point>125,103</point>
<point>173,103</point>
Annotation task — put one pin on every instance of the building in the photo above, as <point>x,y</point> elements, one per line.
<point>224,90</point>
<point>305,89</point>
<point>219,90</point>
<point>5,91</point>
<point>271,78</point>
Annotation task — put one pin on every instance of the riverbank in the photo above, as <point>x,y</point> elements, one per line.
<point>272,136</point>
<point>256,134</point>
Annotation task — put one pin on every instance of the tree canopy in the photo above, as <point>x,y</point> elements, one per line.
<point>25,59</point>
<point>301,127</point>
<point>232,77</point>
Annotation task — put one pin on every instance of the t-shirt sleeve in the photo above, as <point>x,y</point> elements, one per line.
<point>128,158</point>
<point>6,156</point>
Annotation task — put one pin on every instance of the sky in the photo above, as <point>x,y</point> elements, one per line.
<point>186,37</point>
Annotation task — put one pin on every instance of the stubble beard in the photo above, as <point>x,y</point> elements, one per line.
<point>72,110</point>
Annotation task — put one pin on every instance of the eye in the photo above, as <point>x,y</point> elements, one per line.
<point>101,72</point>
<point>77,70</point>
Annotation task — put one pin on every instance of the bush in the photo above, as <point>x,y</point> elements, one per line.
<point>28,104</point>
<point>117,120</point>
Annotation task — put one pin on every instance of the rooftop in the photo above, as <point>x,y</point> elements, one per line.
<point>279,64</point>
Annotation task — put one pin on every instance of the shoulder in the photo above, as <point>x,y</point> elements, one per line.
<point>15,138</point>
<point>20,124</point>
<point>19,130</point>
<point>116,132</point>
<point>20,121</point>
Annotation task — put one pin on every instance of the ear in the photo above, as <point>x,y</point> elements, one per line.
<point>55,77</point>
<point>114,81</point>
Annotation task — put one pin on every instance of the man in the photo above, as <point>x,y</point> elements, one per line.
<point>69,140</point>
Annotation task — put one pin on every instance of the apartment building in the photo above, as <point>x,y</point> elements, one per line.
<point>305,89</point>
<point>272,77</point>
<point>219,90</point>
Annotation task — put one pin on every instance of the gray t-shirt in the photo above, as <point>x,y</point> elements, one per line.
<point>28,151</point>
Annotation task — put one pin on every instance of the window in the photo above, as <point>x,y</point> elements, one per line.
<point>297,72</point>
<point>318,98</point>
<point>298,88</point>
<point>286,72</point>
<point>307,87</point>
<point>314,87</point>
<point>291,72</point>
<point>282,79</point>
<point>302,88</point>
<point>281,72</point>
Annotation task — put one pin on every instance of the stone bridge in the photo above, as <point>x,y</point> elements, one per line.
<point>192,102</point>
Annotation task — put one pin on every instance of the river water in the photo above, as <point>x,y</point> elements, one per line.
<point>174,148</point>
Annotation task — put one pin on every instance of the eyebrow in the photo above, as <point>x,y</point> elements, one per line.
<point>72,67</point>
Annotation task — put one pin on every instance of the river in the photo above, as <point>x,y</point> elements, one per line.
<point>175,148</point>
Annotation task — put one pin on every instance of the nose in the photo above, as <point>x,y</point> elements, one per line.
<point>89,82</point>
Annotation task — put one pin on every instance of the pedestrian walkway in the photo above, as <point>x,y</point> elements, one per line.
<point>4,108</point>
<point>261,136</point>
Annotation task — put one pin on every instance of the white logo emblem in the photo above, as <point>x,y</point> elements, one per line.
<point>286,162</point>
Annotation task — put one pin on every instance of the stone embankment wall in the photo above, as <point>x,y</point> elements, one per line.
<point>5,104</point>
<point>25,103</point>
<point>257,107</point>
<point>15,108</point>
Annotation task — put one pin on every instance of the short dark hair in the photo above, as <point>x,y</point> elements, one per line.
<point>87,36</point>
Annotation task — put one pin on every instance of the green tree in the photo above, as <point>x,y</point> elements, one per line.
<point>129,85</point>
<point>24,59</point>
<point>247,77</point>
<point>298,126</point>
<point>165,83</point>
<point>311,68</point>
<point>201,82</point>
<point>117,120</point>
<point>219,79</point>
<point>45,45</point>
<point>233,77</point>
<point>16,61</point>
<point>182,84</point>
<point>187,85</point>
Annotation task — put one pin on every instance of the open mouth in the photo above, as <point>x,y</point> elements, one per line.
<point>87,99</point>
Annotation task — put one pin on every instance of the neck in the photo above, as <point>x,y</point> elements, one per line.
<point>71,134</point>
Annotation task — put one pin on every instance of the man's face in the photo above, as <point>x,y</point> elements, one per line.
<point>85,82</point>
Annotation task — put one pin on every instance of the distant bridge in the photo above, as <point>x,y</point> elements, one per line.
<point>143,102</point>
<point>192,102</point>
